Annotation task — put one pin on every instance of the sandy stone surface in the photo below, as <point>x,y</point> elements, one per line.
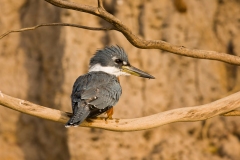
<point>41,65</point>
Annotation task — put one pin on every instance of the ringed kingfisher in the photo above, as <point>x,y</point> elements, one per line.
<point>99,90</point>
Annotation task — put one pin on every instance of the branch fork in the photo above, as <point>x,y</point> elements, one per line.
<point>134,39</point>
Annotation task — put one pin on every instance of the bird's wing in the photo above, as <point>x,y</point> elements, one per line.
<point>98,89</point>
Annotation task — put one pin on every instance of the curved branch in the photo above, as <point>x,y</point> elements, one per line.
<point>145,44</point>
<point>187,114</point>
<point>56,24</point>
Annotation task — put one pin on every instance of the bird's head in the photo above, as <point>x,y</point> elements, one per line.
<point>114,60</point>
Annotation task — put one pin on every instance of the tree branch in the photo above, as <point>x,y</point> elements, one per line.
<point>232,113</point>
<point>145,44</point>
<point>100,4</point>
<point>224,106</point>
<point>56,24</point>
<point>187,114</point>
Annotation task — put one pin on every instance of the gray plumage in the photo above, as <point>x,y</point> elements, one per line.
<point>104,56</point>
<point>93,93</point>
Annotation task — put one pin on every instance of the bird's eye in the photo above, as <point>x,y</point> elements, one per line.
<point>118,61</point>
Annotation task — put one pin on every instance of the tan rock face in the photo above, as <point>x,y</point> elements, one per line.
<point>41,66</point>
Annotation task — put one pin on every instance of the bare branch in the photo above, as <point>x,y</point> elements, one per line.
<point>232,113</point>
<point>224,106</point>
<point>187,114</point>
<point>100,4</point>
<point>146,44</point>
<point>56,24</point>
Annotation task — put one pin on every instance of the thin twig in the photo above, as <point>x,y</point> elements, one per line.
<point>146,44</point>
<point>100,4</point>
<point>187,114</point>
<point>56,24</point>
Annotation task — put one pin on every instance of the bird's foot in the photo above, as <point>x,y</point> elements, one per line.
<point>109,114</point>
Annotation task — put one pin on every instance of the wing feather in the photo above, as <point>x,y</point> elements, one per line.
<point>98,89</point>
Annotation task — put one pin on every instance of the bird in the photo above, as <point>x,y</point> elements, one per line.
<point>97,91</point>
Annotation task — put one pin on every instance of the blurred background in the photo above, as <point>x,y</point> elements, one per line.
<point>41,66</point>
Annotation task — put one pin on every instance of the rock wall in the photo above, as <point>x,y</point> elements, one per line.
<point>41,66</point>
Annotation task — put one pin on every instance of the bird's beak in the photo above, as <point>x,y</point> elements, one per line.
<point>136,72</point>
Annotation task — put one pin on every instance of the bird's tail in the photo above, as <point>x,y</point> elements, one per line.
<point>79,115</point>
